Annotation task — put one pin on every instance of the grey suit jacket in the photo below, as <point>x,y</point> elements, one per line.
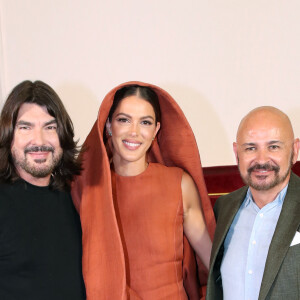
<point>281,279</point>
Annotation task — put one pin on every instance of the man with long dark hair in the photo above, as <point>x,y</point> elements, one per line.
<point>40,235</point>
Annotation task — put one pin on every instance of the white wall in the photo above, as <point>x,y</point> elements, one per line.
<point>2,69</point>
<point>218,58</point>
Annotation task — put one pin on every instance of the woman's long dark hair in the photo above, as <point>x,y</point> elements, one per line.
<point>143,92</point>
<point>41,94</point>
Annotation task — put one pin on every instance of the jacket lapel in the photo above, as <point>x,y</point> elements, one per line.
<point>287,225</point>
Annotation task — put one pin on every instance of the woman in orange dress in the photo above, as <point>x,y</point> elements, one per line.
<point>139,199</point>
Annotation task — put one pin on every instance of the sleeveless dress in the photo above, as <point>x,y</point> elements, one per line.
<point>149,212</point>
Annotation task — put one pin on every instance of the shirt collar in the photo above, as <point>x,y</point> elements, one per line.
<point>278,200</point>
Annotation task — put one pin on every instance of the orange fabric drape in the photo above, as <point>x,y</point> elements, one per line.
<point>103,258</point>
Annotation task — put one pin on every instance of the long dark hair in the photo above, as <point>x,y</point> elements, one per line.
<point>143,92</point>
<point>41,94</point>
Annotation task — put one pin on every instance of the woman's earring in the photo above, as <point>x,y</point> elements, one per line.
<point>109,133</point>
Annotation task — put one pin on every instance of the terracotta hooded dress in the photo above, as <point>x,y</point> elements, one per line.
<point>115,263</point>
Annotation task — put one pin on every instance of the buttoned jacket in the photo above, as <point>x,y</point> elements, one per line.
<point>281,278</point>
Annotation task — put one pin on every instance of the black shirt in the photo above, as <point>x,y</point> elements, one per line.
<point>40,244</point>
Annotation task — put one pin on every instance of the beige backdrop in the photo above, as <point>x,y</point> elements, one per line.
<point>218,58</point>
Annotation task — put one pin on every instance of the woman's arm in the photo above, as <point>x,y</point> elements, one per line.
<point>193,220</point>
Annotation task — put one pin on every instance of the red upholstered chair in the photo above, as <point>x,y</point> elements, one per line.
<point>222,180</point>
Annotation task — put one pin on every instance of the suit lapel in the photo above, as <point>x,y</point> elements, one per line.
<point>287,225</point>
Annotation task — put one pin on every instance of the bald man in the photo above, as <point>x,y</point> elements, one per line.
<point>256,250</point>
